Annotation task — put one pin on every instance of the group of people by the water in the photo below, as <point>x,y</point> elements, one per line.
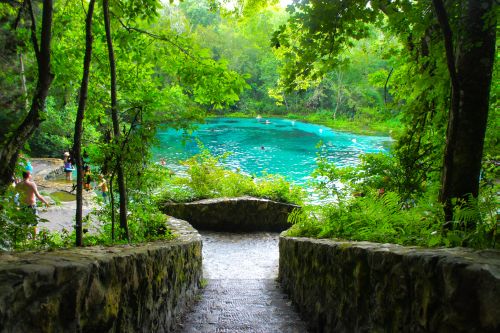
<point>87,175</point>
<point>26,190</point>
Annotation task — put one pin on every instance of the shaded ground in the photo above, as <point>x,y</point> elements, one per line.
<point>241,294</point>
<point>49,177</point>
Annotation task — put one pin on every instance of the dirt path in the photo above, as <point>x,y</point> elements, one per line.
<point>241,294</point>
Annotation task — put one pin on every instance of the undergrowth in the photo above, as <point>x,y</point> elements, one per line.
<point>206,178</point>
<point>366,211</point>
<point>145,222</point>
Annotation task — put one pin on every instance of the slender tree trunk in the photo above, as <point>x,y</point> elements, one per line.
<point>471,73</point>
<point>77,148</point>
<point>339,93</point>
<point>285,101</point>
<point>9,149</point>
<point>116,125</point>
<point>112,202</point>
<point>23,82</point>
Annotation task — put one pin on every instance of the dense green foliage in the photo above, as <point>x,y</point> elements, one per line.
<point>376,201</point>
<point>382,219</point>
<point>164,78</point>
<point>206,177</point>
<point>352,93</point>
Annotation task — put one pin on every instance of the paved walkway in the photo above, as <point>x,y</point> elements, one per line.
<point>242,294</point>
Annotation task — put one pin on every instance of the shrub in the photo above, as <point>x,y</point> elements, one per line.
<point>362,212</point>
<point>17,225</point>
<point>207,178</point>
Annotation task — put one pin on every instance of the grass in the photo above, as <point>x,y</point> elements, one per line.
<point>364,126</point>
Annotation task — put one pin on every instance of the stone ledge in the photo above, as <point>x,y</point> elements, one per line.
<point>140,288</point>
<point>233,214</point>
<point>342,286</point>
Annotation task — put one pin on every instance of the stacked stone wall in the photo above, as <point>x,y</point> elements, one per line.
<point>233,214</point>
<point>367,287</point>
<point>142,288</point>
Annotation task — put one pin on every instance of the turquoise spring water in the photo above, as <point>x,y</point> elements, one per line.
<point>275,146</point>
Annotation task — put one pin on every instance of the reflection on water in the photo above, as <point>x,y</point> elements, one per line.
<point>281,147</point>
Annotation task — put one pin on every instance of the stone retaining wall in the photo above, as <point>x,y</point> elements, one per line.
<point>368,287</point>
<point>140,288</point>
<point>233,214</point>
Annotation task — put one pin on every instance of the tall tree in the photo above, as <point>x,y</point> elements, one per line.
<point>12,144</point>
<point>77,148</point>
<point>470,55</point>
<point>317,32</point>
<point>116,124</point>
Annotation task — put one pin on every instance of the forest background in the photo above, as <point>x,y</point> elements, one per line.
<point>357,90</point>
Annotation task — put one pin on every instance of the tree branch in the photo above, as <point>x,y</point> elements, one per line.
<point>442,17</point>
<point>155,36</point>
<point>18,17</point>
<point>34,40</point>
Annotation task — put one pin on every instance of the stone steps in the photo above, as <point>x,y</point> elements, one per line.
<point>241,292</point>
<point>242,305</point>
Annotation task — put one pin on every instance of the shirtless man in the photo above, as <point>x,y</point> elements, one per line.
<point>28,191</point>
<point>104,188</point>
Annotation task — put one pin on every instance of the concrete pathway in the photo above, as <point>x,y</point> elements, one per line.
<point>241,294</point>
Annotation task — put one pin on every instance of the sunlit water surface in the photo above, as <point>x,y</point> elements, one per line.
<point>275,146</point>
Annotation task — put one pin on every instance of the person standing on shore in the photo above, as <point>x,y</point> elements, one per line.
<point>68,168</point>
<point>87,178</point>
<point>28,192</point>
<point>104,188</point>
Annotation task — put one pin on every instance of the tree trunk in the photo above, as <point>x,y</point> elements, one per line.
<point>116,125</point>
<point>23,81</point>
<point>9,149</point>
<point>112,202</point>
<point>339,93</point>
<point>77,148</point>
<point>471,74</point>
